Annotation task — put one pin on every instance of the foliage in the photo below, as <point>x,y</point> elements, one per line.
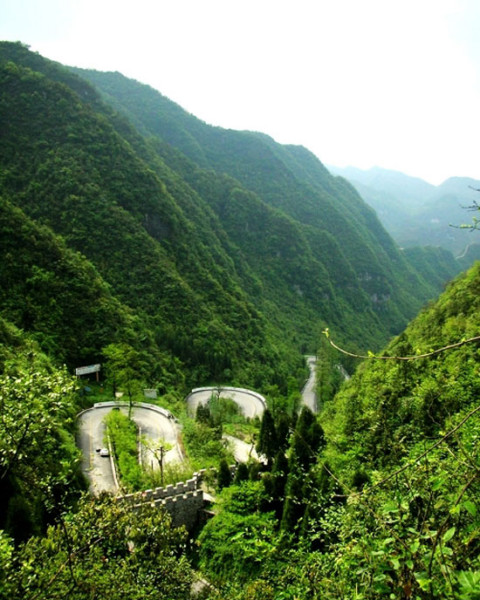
<point>267,440</point>
<point>328,375</point>
<point>90,178</point>
<point>388,406</point>
<point>238,540</point>
<point>204,444</point>
<point>390,507</point>
<point>224,410</point>
<point>52,292</point>
<point>39,464</point>
<point>122,434</point>
<point>224,477</point>
<point>103,550</point>
<point>126,368</point>
<point>269,194</point>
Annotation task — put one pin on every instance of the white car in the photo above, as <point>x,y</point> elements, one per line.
<point>104,452</point>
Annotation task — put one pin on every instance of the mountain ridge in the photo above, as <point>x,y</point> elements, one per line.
<point>234,264</point>
<point>282,187</point>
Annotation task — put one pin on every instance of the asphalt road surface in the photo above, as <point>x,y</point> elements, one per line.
<point>91,437</point>
<point>156,427</point>
<point>309,398</point>
<point>250,405</point>
<point>159,431</point>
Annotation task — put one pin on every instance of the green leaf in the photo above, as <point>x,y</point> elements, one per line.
<point>390,507</point>
<point>470,507</point>
<point>414,546</point>
<point>447,536</point>
<point>395,563</point>
<point>423,580</point>
<point>469,581</point>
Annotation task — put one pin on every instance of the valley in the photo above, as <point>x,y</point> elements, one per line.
<point>202,265</point>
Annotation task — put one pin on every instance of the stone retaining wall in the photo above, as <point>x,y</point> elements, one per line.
<point>183,501</point>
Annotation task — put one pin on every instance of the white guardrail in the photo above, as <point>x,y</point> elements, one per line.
<point>229,389</point>
<point>122,403</point>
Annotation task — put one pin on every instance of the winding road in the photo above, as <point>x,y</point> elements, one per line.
<point>309,397</point>
<point>159,428</point>
<point>251,404</point>
<point>154,423</point>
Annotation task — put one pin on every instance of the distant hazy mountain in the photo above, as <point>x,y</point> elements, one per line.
<point>415,212</point>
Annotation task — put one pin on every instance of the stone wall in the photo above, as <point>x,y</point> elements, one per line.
<point>183,501</point>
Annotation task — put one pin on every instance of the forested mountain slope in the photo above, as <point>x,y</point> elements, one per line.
<point>403,439</point>
<point>344,235</point>
<point>230,252</point>
<point>215,256</point>
<point>66,166</point>
<point>417,213</point>
<point>388,505</point>
<point>56,294</point>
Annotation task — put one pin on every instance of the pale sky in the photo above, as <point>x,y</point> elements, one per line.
<point>392,83</point>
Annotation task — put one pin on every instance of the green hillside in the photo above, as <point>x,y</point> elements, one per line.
<point>178,254</point>
<point>365,268</point>
<point>56,294</point>
<point>388,505</point>
<point>67,167</point>
<point>417,213</point>
<point>233,260</point>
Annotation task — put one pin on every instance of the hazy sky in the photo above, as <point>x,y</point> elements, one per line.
<point>393,83</point>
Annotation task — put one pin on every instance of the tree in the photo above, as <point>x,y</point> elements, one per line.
<point>241,473</point>
<point>38,458</point>
<point>307,440</point>
<point>283,427</point>
<point>238,541</point>
<point>203,414</point>
<point>125,367</point>
<point>267,441</point>
<point>224,478</point>
<point>294,505</point>
<point>104,550</point>
<point>280,473</point>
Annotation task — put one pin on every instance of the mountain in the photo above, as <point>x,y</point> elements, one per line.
<point>65,166</point>
<point>218,257</point>
<point>343,235</point>
<point>410,192</point>
<point>417,213</point>
<point>225,252</point>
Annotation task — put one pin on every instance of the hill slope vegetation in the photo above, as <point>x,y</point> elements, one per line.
<point>231,257</point>
<point>357,265</point>
<point>212,256</point>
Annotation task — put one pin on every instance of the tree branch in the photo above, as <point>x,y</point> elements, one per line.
<point>412,357</point>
